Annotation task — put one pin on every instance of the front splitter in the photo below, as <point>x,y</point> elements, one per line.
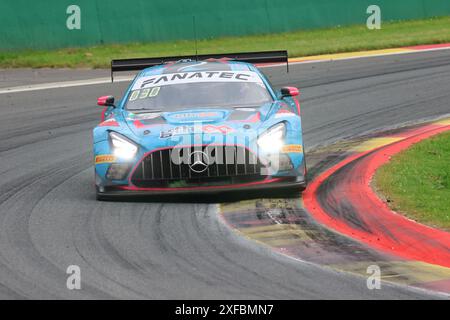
<point>272,184</point>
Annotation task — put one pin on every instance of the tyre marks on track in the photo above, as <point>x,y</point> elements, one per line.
<point>288,228</point>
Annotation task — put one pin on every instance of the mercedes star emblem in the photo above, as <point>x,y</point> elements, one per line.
<point>198,159</point>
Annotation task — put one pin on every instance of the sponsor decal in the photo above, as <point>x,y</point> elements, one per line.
<point>144,93</point>
<point>188,115</point>
<point>189,130</point>
<point>176,131</point>
<point>292,148</point>
<point>105,158</point>
<point>217,129</point>
<point>191,77</point>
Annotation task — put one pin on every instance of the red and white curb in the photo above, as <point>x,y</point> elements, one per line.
<point>342,199</point>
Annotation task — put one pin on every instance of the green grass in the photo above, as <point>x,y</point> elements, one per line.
<point>299,43</point>
<point>417,181</point>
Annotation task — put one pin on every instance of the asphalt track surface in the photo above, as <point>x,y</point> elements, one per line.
<point>49,218</point>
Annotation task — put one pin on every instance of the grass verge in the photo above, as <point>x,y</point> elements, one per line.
<point>299,43</point>
<point>416,181</point>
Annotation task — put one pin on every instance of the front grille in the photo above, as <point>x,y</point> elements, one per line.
<point>219,165</point>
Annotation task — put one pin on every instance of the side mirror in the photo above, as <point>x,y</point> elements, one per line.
<point>106,101</point>
<point>289,92</point>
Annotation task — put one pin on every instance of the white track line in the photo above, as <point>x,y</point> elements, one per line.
<point>355,57</point>
<point>95,81</point>
<point>63,84</point>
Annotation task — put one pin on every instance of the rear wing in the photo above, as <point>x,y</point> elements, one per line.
<point>250,57</point>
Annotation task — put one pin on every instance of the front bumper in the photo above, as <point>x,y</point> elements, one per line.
<point>297,183</point>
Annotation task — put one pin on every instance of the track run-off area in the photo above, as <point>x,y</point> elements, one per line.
<point>202,248</point>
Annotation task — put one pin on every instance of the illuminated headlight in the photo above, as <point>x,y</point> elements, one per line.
<point>123,148</point>
<point>273,139</point>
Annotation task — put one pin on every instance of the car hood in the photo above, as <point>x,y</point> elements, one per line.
<point>217,121</point>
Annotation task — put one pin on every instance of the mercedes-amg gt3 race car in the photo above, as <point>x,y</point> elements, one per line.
<point>206,123</point>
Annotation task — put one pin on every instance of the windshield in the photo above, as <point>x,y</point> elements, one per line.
<point>174,96</point>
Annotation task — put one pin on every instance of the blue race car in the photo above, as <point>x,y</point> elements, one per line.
<point>204,123</point>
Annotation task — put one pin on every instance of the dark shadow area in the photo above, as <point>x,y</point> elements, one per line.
<point>220,197</point>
